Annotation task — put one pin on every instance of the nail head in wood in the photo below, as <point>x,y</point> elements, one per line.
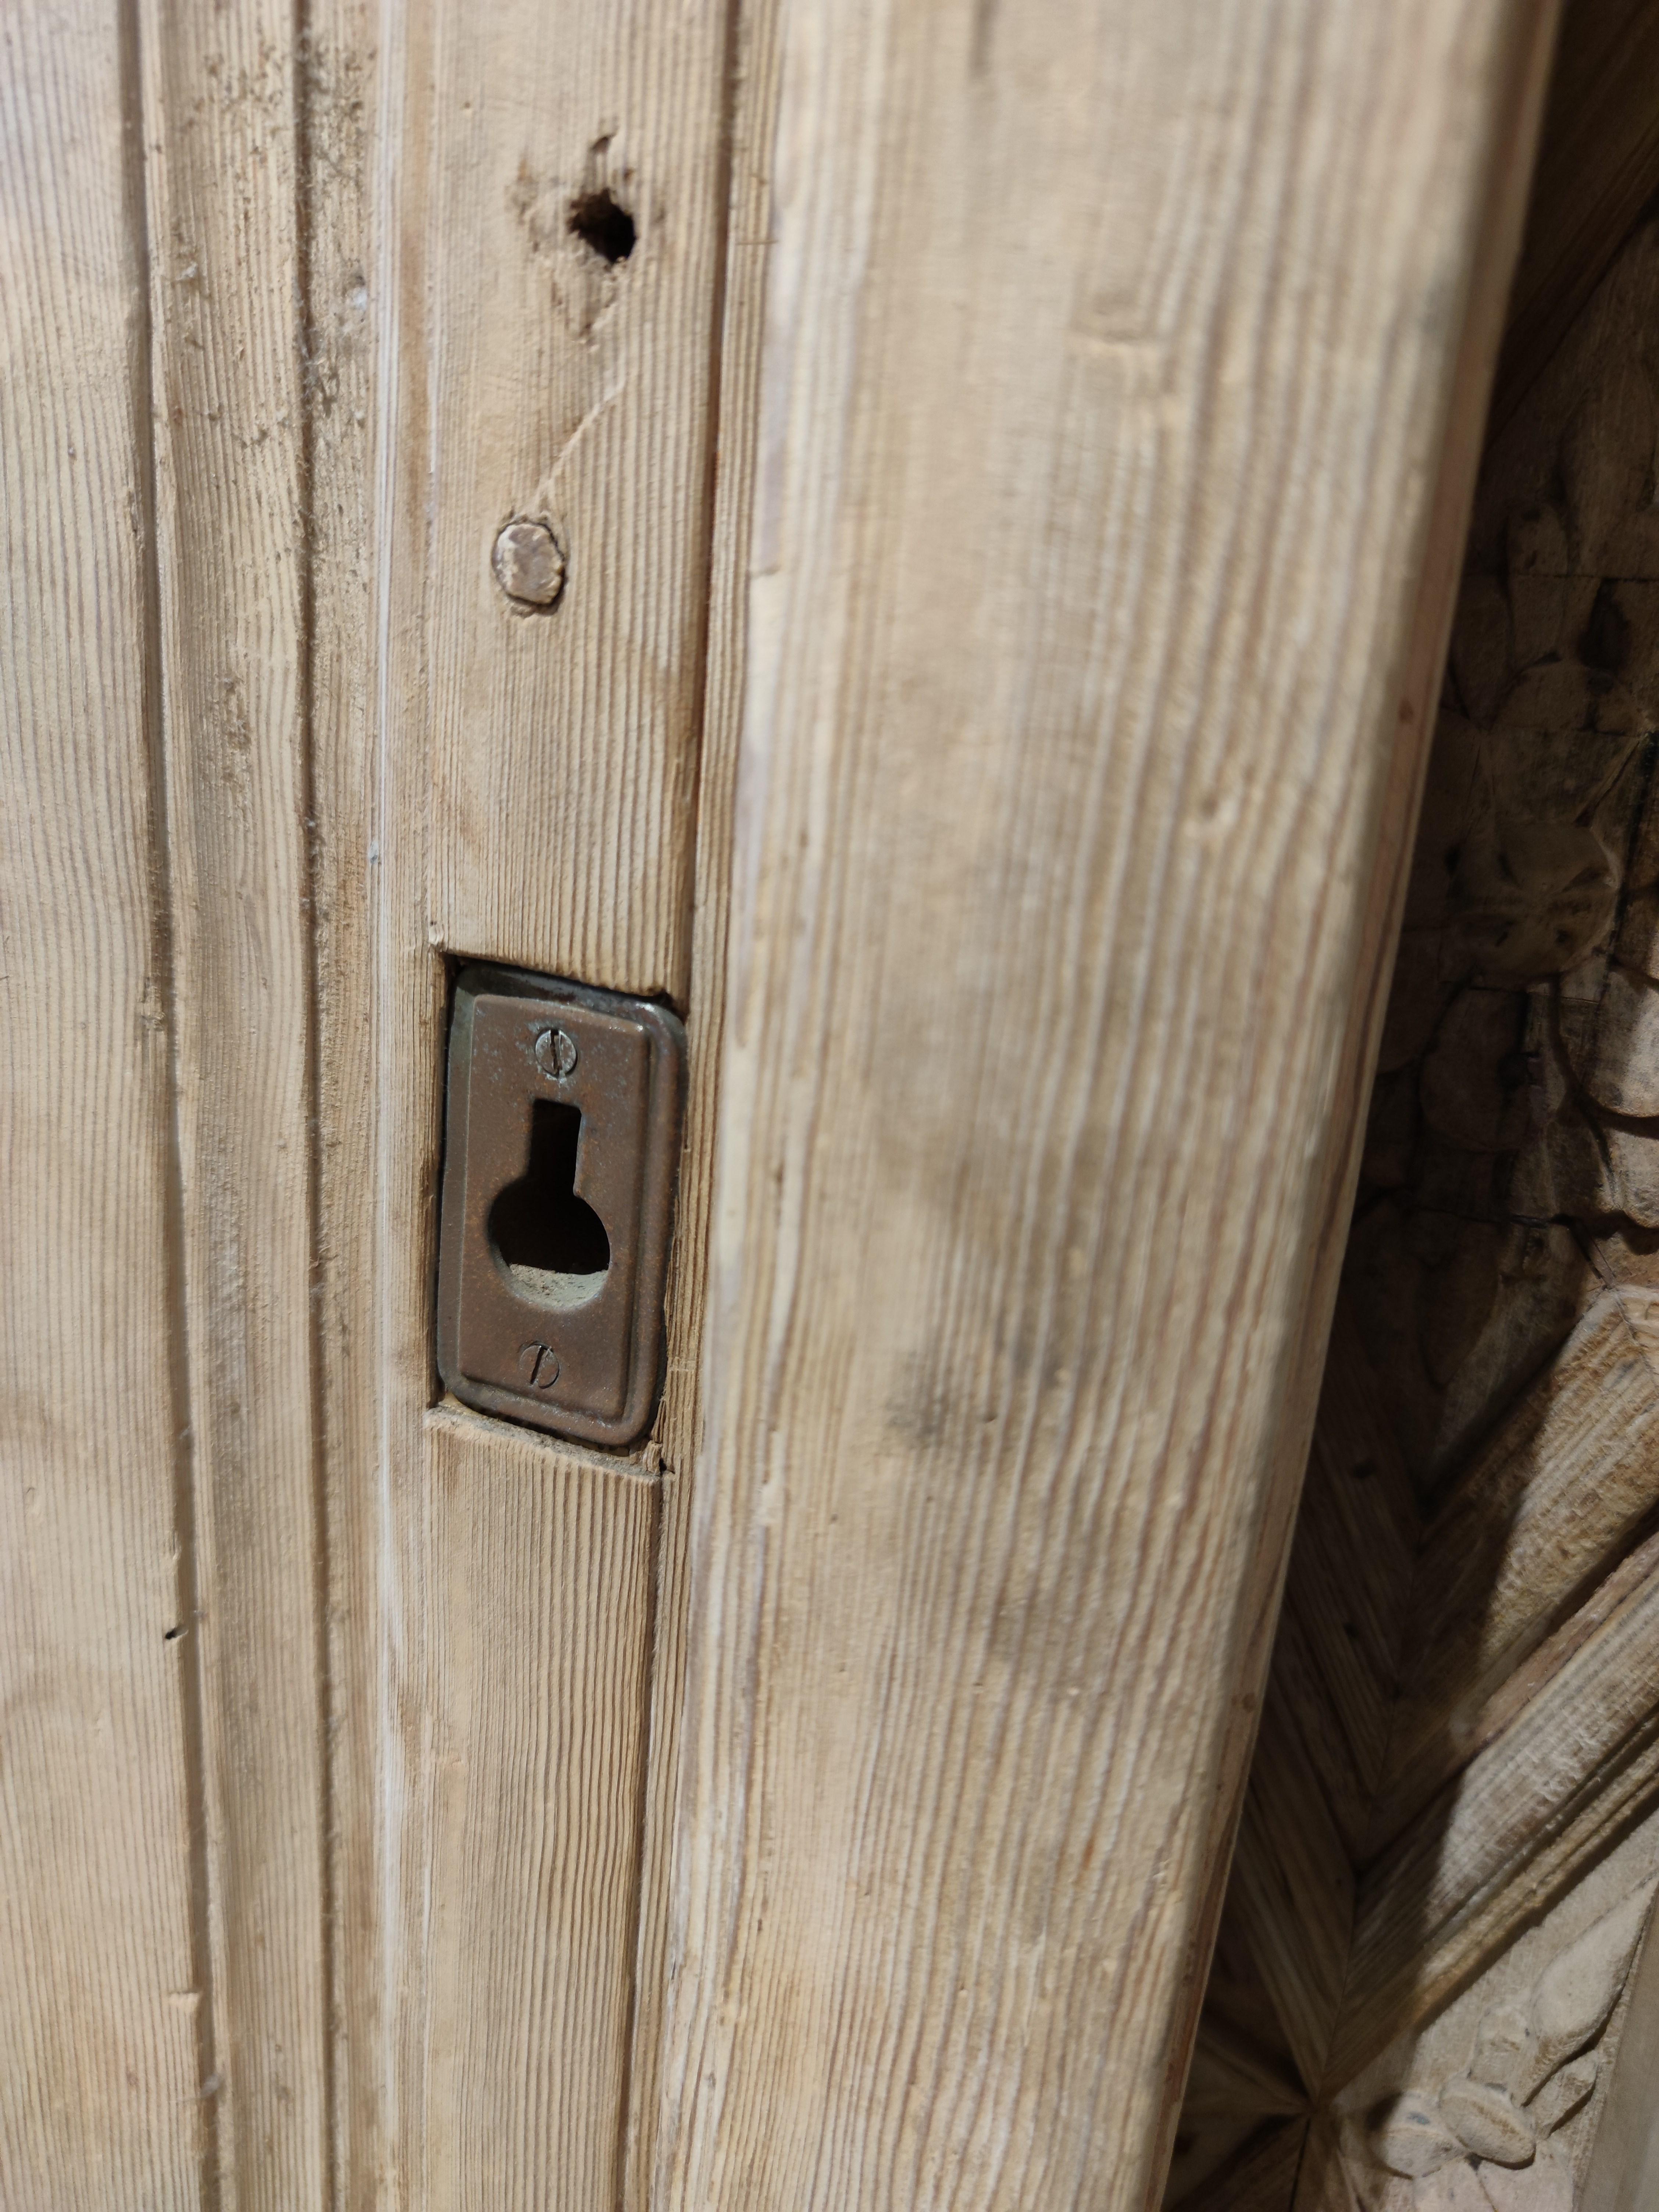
<point>529,564</point>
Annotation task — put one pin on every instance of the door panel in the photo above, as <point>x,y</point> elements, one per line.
<point>1000,469</point>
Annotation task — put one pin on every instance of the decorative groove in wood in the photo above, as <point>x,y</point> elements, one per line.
<point>100,2061</point>
<point>341,315</point>
<point>221,103</point>
<point>676,1437</point>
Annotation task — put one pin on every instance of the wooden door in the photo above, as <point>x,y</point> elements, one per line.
<point>1010,471</point>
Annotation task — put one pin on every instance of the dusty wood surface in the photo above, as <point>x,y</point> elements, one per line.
<point>568,367</point>
<point>972,1427</point>
<point>103,2054</point>
<point>540,1650</point>
<point>1500,1278</point>
<point>230,405</point>
<point>677,1433</point>
<point>533,800</point>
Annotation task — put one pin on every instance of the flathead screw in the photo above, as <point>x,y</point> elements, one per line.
<point>555,1051</point>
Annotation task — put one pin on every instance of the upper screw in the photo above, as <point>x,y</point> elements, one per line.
<point>555,1051</point>
<point>529,564</point>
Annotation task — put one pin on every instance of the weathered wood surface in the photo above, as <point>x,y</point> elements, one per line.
<point>342,312</point>
<point>1622,2171</point>
<point>998,1355</point>
<point>534,800</point>
<point>103,2043</point>
<point>1500,1274</point>
<point>677,1433</point>
<point>220,100</point>
<point>1497,2104</point>
<point>536,1707</point>
<point>570,200</point>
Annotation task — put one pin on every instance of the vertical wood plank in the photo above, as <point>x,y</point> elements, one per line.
<point>1073,718</point>
<point>570,389</point>
<point>679,1428</point>
<point>220,118</point>
<point>534,802</point>
<point>541,1656</point>
<point>100,2063</point>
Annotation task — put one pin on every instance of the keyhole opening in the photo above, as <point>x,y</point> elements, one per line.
<point>550,1242</point>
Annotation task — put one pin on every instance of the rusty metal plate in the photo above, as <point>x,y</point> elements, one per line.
<point>561,1149</point>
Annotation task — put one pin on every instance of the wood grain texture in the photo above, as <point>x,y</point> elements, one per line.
<point>1262,2176</point>
<point>1598,165</point>
<point>997,1363</point>
<point>575,391</point>
<point>541,1641</point>
<point>1536,1806</point>
<point>222,162</point>
<point>677,1436</point>
<point>338,106</point>
<point>1539,1520</point>
<point>532,794</point>
<point>100,2065</point>
<point>1293,1887</point>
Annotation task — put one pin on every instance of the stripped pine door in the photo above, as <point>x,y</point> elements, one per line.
<point>679,500</point>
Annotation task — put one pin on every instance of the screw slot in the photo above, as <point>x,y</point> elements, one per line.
<point>556,1052</point>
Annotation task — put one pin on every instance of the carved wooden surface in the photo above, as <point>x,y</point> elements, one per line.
<point>1478,1527</point>
<point>1498,2103</point>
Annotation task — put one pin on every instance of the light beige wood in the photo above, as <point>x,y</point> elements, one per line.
<point>220,101</point>
<point>536,1707</point>
<point>679,1428</point>
<point>339,92</point>
<point>104,2039</point>
<point>573,392</point>
<point>533,800</point>
<point>999,1348</point>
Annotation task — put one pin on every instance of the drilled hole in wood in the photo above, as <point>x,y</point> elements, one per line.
<point>603,224</point>
<point>550,1241</point>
